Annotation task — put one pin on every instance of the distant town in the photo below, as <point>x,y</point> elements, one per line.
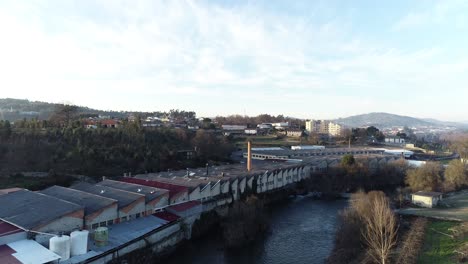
<point>81,187</point>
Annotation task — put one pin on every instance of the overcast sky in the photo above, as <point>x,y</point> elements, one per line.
<point>308,59</point>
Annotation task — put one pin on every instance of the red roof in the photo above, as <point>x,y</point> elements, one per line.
<point>108,122</point>
<point>7,229</point>
<point>173,189</point>
<point>6,255</point>
<point>164,215</point>
<point>184,206</point>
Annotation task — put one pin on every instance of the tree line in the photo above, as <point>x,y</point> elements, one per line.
<point>64,145</point>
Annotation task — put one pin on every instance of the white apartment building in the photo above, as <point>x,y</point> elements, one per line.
<point>323,127</point>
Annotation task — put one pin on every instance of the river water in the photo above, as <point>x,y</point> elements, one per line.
<point>302,232</point>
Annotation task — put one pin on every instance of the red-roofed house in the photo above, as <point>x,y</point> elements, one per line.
<point>109,123</point>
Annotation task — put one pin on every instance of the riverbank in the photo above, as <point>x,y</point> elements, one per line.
<point>301,231</point>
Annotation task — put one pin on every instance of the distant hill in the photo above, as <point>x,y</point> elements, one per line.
<point>383,120</point>
<point>16,109</point>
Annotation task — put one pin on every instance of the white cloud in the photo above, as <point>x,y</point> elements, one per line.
<point>175,54</point>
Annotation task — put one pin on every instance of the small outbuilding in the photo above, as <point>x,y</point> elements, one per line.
<point>426,199</point>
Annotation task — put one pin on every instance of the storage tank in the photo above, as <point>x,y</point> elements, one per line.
<point>101,235</point>
<point>60,245</point>
<point>79,242</point>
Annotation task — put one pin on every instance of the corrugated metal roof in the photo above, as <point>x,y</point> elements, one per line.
<point>184,206</point>
<point>30,210</point>
<point>29,251</point>
<point>123,198</point>
<point>150,193</point>
<point>174,190</point>
<point>168,216</point>
<point>91,202</point>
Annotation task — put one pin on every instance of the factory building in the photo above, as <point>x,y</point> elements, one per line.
<point>154,198</point>
<point>196,189</point>
<point>130,205</point>
<point>39,212</point>
<point>98,210</point>
<point>289,154</point>
<point>177,194</point>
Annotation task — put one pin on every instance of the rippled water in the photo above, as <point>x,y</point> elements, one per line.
<point>302,232</point>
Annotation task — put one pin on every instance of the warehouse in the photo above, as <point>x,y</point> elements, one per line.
<point>154,198</point>
<point>177,194</point>
<point>98,210</point>
<point>40,212</point>
<point>131,205</point>
<point>194,188</point>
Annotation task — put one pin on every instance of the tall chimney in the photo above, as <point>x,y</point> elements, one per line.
<point>249,156</point>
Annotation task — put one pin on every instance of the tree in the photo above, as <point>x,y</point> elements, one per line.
<point>425,178</point>
<point>348,160</point>
<point>64,115</point>
<point>456,175</point>
<point>380,228</point>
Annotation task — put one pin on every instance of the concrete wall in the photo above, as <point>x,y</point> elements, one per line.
<point>157,203</point>
<point>132,209</point>
<point>12,238</point>
<point>104,215</point>
<point>242,184</point>
<point>166,237</point>
<point>65,224</point>
<point>225,187</point>
<point>424,201</point>
<point>235,189</point>
<point>205,192</point>
<point>179,198</point>
<point>216,189</point>
<point>195,194</point>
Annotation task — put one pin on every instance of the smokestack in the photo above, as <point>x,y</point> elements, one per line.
<point>249,156</point>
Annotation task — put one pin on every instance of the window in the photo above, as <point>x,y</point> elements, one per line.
<point>103,223</point>
<point>110,222</point>
<point>94,226</point>
<point>137,215</point>
<point>124,219</point>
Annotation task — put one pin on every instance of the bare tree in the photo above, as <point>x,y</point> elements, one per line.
<point>380,229</point>
<point>64,114</point>
<point>456,175</point>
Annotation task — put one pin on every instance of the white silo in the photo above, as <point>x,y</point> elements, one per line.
<point>60,245</point>
<point>79,242</point>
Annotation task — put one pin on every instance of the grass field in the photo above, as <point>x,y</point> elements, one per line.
<point>439,246</point>
<point>454,207</point>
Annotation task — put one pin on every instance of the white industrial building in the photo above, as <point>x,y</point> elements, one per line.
<point>426,199</point>
<point>130,205</point>
<point>154,198</point>
<point>98,210</point>
<point>39,212</point>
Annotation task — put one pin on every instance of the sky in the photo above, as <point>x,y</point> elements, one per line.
<point>307,59</point>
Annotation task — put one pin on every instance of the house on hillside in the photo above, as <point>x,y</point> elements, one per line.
<point>426,199</point>
<point>109,123</point>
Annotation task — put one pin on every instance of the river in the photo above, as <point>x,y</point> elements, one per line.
<point>302,232</point>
